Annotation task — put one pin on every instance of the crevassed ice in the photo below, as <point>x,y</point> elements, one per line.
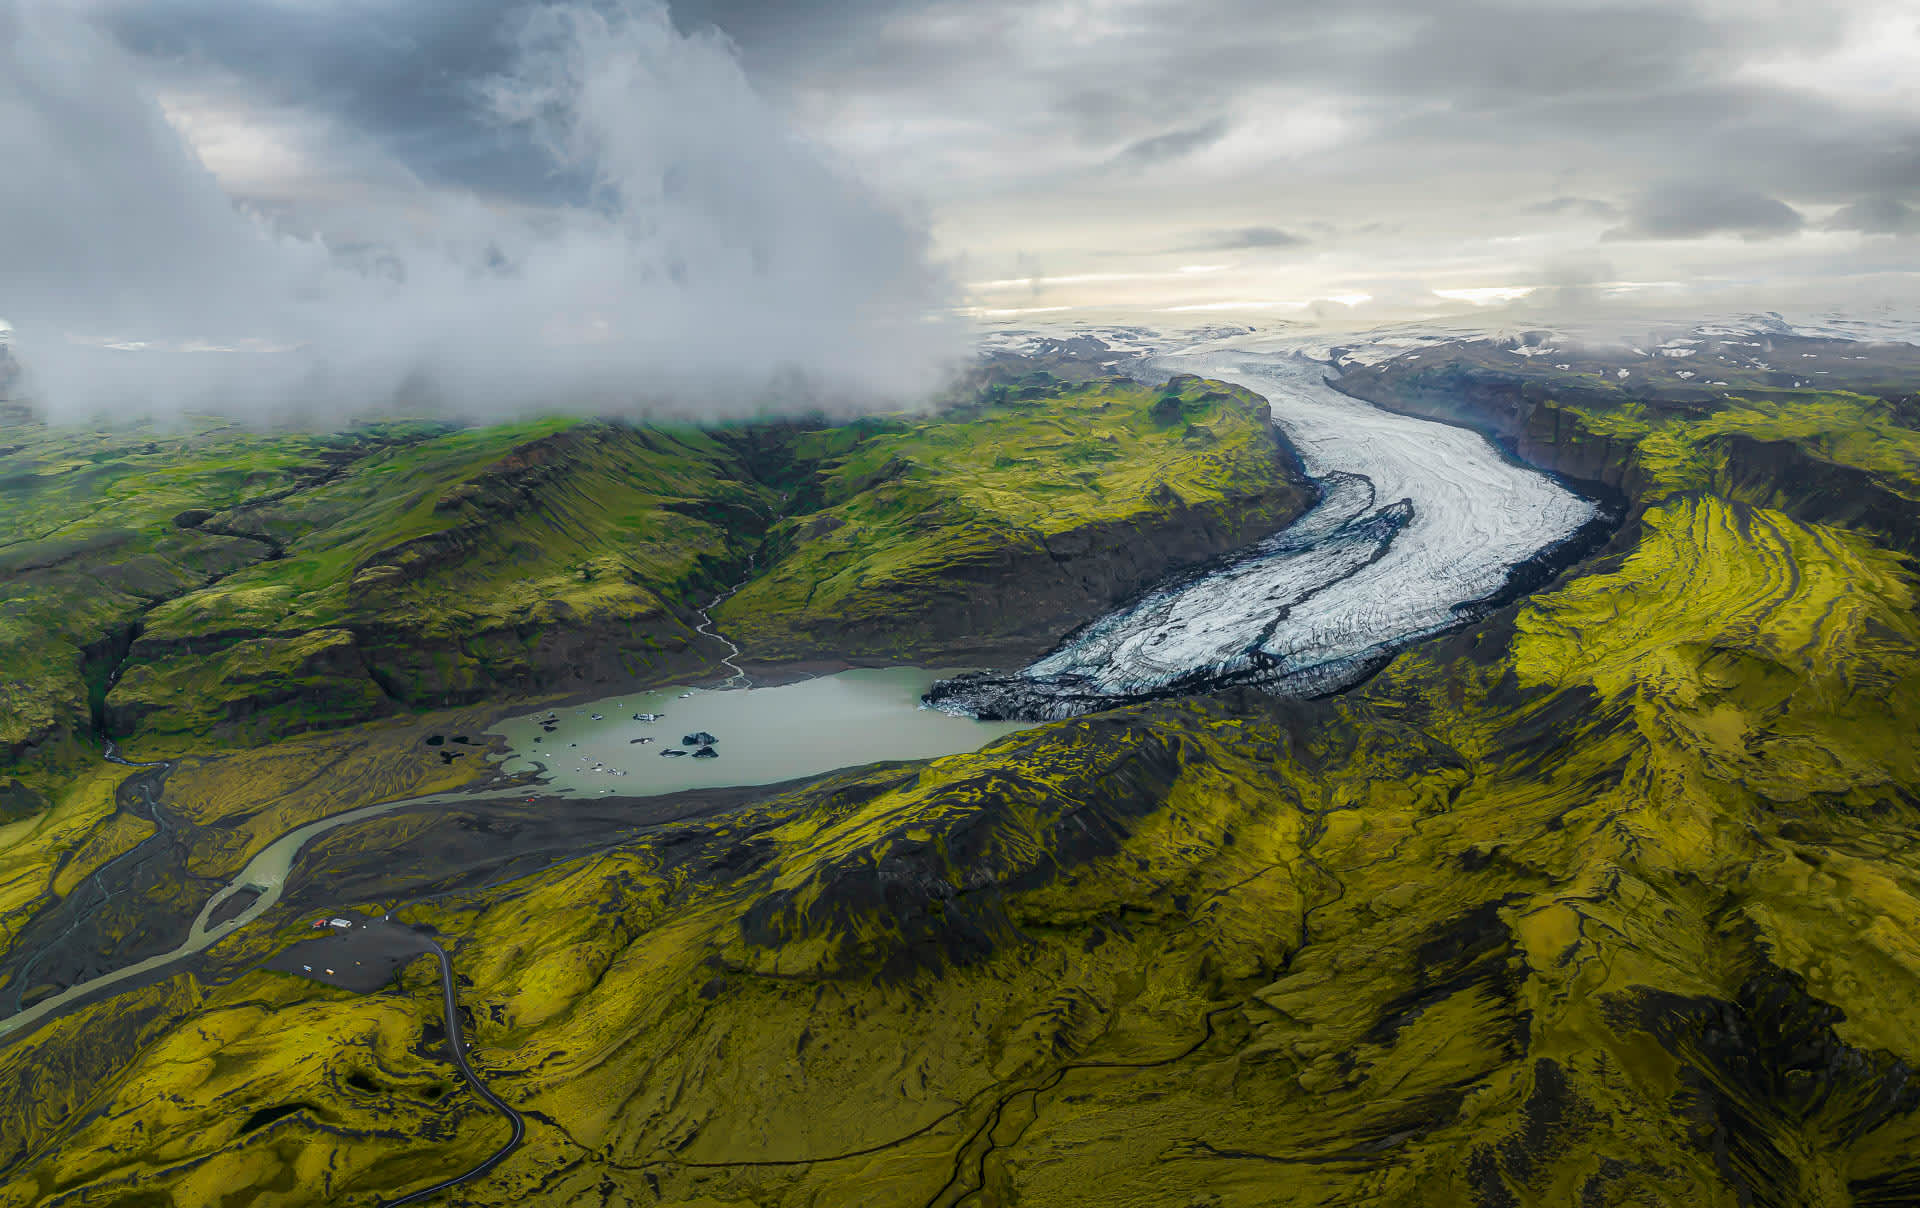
<point>1416,519</point>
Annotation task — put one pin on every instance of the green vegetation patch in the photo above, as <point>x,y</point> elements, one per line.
<point>964,528</point>
<point>1619,902</point>
<point>243,585</point>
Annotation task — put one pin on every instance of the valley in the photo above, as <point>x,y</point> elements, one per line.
<point>1594,890</point>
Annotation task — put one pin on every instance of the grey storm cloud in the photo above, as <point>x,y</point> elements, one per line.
<point>1435,113</point>
<point>698,254</point>
<point>1693,211</point>
<point>407,73</point>
<point>410,74</point>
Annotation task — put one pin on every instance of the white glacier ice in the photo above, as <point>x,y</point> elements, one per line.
<point>1417,523</point>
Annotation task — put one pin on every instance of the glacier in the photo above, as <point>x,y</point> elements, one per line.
<point>1420,526</point>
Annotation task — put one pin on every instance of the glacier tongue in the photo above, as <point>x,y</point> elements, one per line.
<point>1417,523</point>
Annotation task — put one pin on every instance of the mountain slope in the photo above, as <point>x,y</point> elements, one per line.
<point>1610,899</point>
<point>176,588</point>
<point>996,529</point>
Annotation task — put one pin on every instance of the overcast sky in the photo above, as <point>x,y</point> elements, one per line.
<point>1009,157</point>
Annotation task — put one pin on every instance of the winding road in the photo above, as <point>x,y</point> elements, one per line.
<point>1417,521</point>
<point>457,1046</point>
<point>266,875</point>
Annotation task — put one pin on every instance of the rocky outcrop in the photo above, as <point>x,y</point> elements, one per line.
<point>309,681</point>
<point>1013,597</point>
<point>1027,596</point>
<point>389,569</point>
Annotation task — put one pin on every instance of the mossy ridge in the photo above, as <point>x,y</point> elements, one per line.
<point>98,526</point>
<point>464,567</point>
<point>1008,522</point>
<point>1512,924</point>
<point>63,923</point>
<point>1556,946</point>
<point>40,853</point>
<point>258,584</point>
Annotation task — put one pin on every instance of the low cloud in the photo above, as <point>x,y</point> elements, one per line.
<point>715,262</point>
<point>1240,239</point>
<point>1175,144</point>
<point>1877,216</point>
<point>1569,287</point>
<point>1697,211</point>
<point>1578,207</point>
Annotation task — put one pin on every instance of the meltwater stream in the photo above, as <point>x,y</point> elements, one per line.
<point>1418,522</point>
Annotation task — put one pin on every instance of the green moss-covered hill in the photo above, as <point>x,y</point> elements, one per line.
<point>216,582</point>
<point>213,583</point>
<point>997,529</point>
<point>1611,899</point>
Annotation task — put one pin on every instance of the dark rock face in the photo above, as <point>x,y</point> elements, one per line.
<point>1420,528</point>
<point>1038,694</point>
<point>1780,474</point>
<point>18,801</point>
<point>972,583</point>
<point>1764,1073</point>
<point>1519,414</point>
<point>1013,601</point>
<point>944,895</point>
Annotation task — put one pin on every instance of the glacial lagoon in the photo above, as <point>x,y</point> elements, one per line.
<point>765,735</point>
